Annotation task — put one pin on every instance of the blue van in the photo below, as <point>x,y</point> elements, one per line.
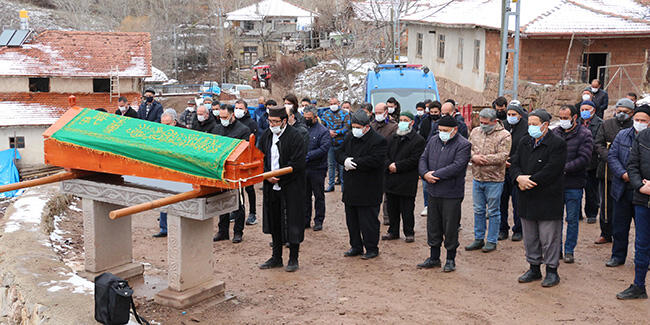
<point>408,83</point>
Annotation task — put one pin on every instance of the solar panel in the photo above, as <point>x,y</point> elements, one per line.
<point>19,38</point>
<point>6,36</point>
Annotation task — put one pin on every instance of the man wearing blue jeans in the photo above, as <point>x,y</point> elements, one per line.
<point>490,150</point>
<point>337,121</point>
<point>579,144</point>
<point>162,223</point>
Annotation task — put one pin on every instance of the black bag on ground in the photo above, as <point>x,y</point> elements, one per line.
<point>114,300</point>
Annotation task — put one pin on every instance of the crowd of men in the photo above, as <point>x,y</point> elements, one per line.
<point>378,155</point>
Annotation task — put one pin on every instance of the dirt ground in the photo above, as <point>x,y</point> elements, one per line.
<point>332,289</point>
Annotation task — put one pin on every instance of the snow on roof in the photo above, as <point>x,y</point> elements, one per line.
<point>269,8</point>
<point>79,54</point>
<point>19,113</point>
<point>541,17</point>
<point>156,76</point>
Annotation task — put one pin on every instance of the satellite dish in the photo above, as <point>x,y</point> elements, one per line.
<point>226,24</point>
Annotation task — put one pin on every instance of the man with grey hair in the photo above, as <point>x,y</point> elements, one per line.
<point>490,150</point>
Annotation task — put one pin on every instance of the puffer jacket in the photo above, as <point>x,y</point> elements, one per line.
<point>579,148</point>
<point>638,167</point>
<point>618,157</point>
<point>495,146</point>
<point>594,126</point>
<point>604,138</point>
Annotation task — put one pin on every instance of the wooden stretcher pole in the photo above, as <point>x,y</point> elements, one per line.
<point>44,180</point>
<point>278,172</point>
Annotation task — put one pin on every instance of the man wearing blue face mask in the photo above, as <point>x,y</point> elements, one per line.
<point>579,149</point>
<point>401,175</point>
<point>590,120</point>
<point>538,171</point>
<point>604,138</point>
<point>443,165</point>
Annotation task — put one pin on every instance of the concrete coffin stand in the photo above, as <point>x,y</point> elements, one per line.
<point>108,243</point>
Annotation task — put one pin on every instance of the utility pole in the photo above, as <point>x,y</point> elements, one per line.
<point>506,12</point>
<point>396,33</point>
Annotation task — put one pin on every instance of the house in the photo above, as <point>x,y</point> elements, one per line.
<point>560,40</point>
<point>38,77</point>
<point>267,26</point>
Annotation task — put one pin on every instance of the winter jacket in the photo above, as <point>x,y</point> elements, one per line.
<point>319,145</point>
<point>594,126</point>
<point>462,126</point>
<point>449,163</point>
<point>517,132</point>
<point>601,99</point>
<point>301,127</point>
<point>604,139</point>
<point>262,124</point>
<point>638,167</point>
<point>249,122</point>
<point>618,157</point>
<point>405,152</point>
<point>130,112</point>
<point>235,130</point>
<point>545,165</point>
<point>187,117</point>
<point>155,111</point>
<point>424,128</point>
<point>364,186</point>
<point>386,128</point>
<point>579,148</point>
<point>495,146</point>
<point>338,122</point>
<point>205,126</point>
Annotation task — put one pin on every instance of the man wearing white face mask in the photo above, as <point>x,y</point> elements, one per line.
<point>204,121</point>
<point>186,118</point>
<point>242,115</point>
<point>384,124</point>
<point>443,166</point>
<point>124,109</point>
<point>579,144</point>
<point>601,98</point>
<point>394,108</point>
<point>337,121</point>
<point>363,154</point>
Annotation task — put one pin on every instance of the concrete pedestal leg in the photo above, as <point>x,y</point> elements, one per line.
<point>191,263</point>
<point>107,243</point>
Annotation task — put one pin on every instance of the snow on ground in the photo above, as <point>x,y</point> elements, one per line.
<point>28,209</point>
<point>645,99</point>
<point>74,282</point>
<point>327,79</point>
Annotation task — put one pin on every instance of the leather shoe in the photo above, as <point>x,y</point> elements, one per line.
<point>633,292</point>
<point>450,266</point>
<point>551,280</point>
<point>271,263</point>
<point>409,239</point>
<point>517,236</point>
<point>569,258</point>
<point>591,220</point>
<point>318,227</point>
<point>489,247</point>
<point>292,266</point>
<point>369,255</point>
<point>220,237</point>
<point>389,236</point>
<point>160,235</point>
<point>503,235</point>
<point>477,244</point>
<point>530,276</point>
<point>352,252</point>
<point>329,189</point>
<point>429,264</point>
<point>602,240</point>
<point>237,238</point>
<point>613,262</point>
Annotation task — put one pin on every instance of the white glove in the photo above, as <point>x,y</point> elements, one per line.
<point>349,164</point>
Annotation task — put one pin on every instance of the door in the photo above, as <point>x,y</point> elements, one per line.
<point>592,61</point>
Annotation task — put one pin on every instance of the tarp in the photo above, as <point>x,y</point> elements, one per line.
<point>188,151</point>
<point>8,171</point>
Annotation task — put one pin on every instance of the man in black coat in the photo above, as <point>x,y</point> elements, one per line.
<point>150,109</point>
<point>362,154</point>
<point>401,177</point>
<point>242,115</point>
<point>204,121</point>
<point>229,127</point>
<point>600,97</point>
<point>283,202</point>
<point>517,124</point>
<point>124,109</point>
<point>538,171</point>
<point>590,120</point>
<point>319,145</point>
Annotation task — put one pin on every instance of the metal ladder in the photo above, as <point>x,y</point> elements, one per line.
<point>115,83</point>
<point>506,13</point>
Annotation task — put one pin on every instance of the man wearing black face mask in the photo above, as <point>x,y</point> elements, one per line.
<point>318,147</point>
<point>500,105</point>
<point>604,138</point>
<point>150,109</point>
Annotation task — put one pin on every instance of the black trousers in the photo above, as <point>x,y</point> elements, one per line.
<point>592,195</point>
<point>224,221</point>
<point>275,213</point>
<point>363,227</point>
<point>606,214</point>
<point>443,219</point>
<point>621,221</point>
<point>509,191</point>
<point>250,190</point>
<point>404,206</point>
<point>315,186</point>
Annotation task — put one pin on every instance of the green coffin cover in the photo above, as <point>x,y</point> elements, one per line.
<point>187,151</point>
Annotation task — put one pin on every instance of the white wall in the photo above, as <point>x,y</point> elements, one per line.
<point>32,154</point>
<point>448,68</point>
<point>65,85</point>
<point>14,84</point>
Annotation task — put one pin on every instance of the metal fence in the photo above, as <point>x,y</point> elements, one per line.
<point>188,89</point>
<point>621,79</point>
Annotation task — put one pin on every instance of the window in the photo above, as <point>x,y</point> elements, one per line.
<point>39,85</point>
<point>441,47</point>
<point>101,85</point>
<point>418,45</point>
<point>17,142</point>
<point>477,54</point>
<point>249,55</point>
<point>460,53</point>
<point>249,25</point>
